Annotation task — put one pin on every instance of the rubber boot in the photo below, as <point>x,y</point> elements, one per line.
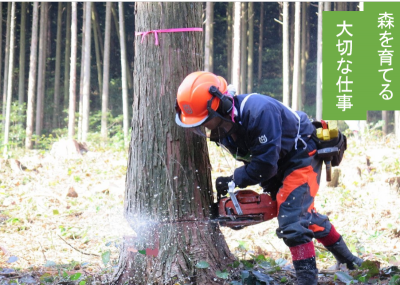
<point>306,271</point>
<point>343,255</point>
<point>304,263</point>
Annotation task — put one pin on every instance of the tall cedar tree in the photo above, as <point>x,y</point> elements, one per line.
<point>168,185</point>
<point>72,75</point>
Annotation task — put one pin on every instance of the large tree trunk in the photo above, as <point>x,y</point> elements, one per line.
<point>251,47</point>
<point>243,50</point>
<point>67,57</point>
<point>285,53</point>
<point>296,57</point>
<point>6,62</point>
<point>9,84</point>
<point>72,76</point>
<point>21,82</point>
<point>56,104</point>
<point>124,69</point>
<point>209,34</point>
<point>106,73</point>
<point>86,75</point>
<point>32,77</point>
<point>236,46</point>
<point>168,183</point>
<point>260,46</point>
<point>318,115</point>
<point>41,69</point>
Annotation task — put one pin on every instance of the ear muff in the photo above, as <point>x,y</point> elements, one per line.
<point>225,104</point>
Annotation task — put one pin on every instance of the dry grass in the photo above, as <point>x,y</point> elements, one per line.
<point>40,225</point>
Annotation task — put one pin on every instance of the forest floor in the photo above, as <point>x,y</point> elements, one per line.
<point>61,219</point>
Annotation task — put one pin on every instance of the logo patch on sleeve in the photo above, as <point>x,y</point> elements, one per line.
<point>263,139</point>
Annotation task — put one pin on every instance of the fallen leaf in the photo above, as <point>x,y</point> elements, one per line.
<point>72,193</point>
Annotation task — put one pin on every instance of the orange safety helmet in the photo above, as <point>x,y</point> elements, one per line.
<point>193,96</point>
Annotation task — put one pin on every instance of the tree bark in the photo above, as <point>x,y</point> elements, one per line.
<point>96,37</point>
<point>56,104</point>
<point>236,46</point>
<point>319,63</point>
<point>106,73</point>
<point>285,52</point>
<point>296,59</point>
<point>67,57</point>
<point>32,77</point>
<point>243,50</point>
<point>1,42</point>
<point>6,62</point>
<point>168,184</point>
<point>260,46</point>
<point>124,73</point>
<point>41,69</point>
<point>72,76</point>
<point>10,81</point>
<point>209,34</point>
<point>22,47</point>
<point>86,76</point>
<point>250,54</point>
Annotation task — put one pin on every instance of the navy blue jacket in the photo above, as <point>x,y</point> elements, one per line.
<point>270,130</point>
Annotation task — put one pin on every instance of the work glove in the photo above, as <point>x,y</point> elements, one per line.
<point>221,183</point>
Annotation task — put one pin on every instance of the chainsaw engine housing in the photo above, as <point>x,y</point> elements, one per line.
<point>256,208</point>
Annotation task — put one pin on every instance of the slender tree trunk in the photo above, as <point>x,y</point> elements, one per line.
<point>168,183</point>
<point>296,60</point>
<point>229,41</point>
<point>97,48</point>
<point>236,46</point>
<point>82,76</point>
<point>96,21</point>
<point>123,72</point>
<point>319,63</point>
<point>32,77</point>
<point>106,71</point>
<point>243,50</point>
<point>327,6</point>
<point>397,124</point>
<point>250,55</point>
<point>285,56</point>
<point>10,81</point>
<point>260,46</point>
<point>72,76</point>
<point>304,54</point>
<point>6,62</point>
<point>208,51</point>
<point>56,104</point>
<point>21,82</point>
<point>86,76</point>
<point>1,41</point>
<point>67,57</point>
<point>385,122</point>
<point>115,16</point>
<point>41,69</point>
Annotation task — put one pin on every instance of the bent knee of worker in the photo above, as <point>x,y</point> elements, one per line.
<point>320,225</point>
<point>293,204</point>
<point>295,234</point>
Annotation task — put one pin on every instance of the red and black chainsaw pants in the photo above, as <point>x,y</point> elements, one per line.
<point>298,220</point>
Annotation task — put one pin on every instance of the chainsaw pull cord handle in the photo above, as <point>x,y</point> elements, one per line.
<point>235,202</point>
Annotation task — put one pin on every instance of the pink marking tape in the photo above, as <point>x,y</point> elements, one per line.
<point>143,34</point>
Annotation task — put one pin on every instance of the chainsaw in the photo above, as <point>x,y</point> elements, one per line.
<point>243,208</point>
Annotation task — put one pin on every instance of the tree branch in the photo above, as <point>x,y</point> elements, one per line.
<point>276,20</point>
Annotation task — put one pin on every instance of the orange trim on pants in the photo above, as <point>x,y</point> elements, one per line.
<point>294,180</point>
